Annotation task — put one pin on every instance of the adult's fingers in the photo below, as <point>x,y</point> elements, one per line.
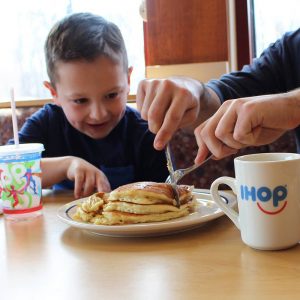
<point>160,107</point>
<point>145,95</point>
<point>225,122</point>
<point>140,95</point>
<point>202,152</point>
<point>250,123</point>
<point>205,137</point>
<point>171,122</point>
<point>149,91</point>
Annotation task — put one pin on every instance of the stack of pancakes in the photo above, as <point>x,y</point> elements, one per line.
<point>138,202</point>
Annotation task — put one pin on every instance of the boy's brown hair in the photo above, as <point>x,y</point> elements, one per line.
<point>83,36</point>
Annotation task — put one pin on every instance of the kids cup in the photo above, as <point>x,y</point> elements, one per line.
<point>20,180</point>
<point>267,186</point>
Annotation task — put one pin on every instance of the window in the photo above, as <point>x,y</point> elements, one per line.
<point>24,26</point>
<point>272,18</point>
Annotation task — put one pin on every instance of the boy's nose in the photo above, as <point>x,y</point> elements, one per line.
<point>98,112</point>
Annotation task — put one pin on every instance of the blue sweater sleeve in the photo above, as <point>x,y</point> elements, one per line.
<point>275,71</point>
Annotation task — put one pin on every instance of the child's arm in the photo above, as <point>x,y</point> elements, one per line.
<point>87,177</point>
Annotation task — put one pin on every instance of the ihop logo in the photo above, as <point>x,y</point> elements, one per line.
<point>263,195</point>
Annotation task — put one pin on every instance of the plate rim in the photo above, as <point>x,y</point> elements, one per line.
<point>154,228</point>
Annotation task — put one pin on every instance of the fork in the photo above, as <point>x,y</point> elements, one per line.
<point>178,174</point>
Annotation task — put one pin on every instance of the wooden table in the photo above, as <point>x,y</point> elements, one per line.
<point>46,259</point>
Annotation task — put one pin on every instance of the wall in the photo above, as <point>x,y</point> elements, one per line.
<point>183,34</point>
<point>190,38</point>
<point>180,31</point>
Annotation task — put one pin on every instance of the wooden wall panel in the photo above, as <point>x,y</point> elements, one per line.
<point>185,31</point>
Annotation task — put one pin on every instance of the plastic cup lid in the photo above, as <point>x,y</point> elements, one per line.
<point>21,149</point>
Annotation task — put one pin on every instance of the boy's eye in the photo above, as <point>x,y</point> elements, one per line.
<point>80,101</point>
<point>111,95</point>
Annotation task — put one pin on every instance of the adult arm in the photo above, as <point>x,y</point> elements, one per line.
<point>246,122</point>
<point>274,74</point>
<point>275,71</point>
<point>179,102</point>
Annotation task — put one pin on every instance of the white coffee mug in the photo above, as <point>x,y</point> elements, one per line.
<point>267,186</point>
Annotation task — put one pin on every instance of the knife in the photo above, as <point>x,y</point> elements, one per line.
<point>171,171</point>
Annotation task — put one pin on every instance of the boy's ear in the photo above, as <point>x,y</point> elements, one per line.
<point>51,89</point>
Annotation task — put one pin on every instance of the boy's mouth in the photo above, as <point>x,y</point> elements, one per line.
<point>98,125</point>
<point>97,130</point>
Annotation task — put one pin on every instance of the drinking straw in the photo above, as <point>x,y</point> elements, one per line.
<point>14,116</point>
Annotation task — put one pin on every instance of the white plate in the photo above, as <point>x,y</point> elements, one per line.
<point>206,210</point>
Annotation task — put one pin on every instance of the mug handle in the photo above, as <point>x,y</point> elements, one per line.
<point>214,190</point>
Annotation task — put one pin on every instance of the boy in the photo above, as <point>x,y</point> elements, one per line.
<point>90,135</point>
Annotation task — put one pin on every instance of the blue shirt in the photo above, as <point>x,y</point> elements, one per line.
<point>126,155</point>
<point>277,70</point>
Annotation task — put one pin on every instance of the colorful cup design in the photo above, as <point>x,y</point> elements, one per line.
<point>20,178</point>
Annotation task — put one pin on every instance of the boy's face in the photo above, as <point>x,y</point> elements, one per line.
<point>92,94</point>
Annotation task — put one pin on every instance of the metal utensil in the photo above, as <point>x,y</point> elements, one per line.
<point>171,171</point>
<point>178,174</point>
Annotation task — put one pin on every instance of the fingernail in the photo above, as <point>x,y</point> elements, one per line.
<point>158,145</point>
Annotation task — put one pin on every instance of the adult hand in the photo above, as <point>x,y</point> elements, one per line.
<point>168,104</point>
<point>247,121</point>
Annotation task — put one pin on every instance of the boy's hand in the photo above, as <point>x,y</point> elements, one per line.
<point>86,177</point>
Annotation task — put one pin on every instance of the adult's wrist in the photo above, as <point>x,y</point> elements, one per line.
<point>209,103</point>
<point>294,107</point>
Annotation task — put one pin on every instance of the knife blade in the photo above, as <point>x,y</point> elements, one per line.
<point>171,171</point>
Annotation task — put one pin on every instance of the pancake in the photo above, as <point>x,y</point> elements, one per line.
<point>139,202</point>
<point>119,218</point>
<point>87,209</point>
<point>141,208</point>
<point>149,193</point>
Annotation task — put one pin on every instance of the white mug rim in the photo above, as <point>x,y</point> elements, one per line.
<point>262,158</point>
